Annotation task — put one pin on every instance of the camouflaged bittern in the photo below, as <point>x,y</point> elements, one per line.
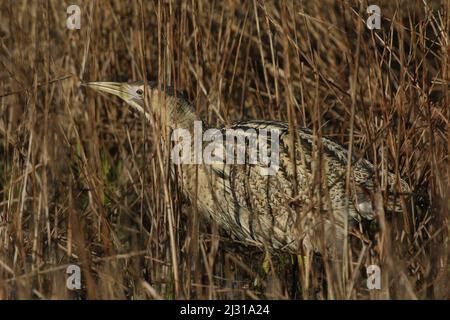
<point>278,212</point>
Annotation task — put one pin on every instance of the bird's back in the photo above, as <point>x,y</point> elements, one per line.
<point>295,205</point>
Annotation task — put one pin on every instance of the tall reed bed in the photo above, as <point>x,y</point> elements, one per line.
<point>84,181</point>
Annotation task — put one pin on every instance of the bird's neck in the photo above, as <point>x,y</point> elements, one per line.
<point>176,113</point>
<point>183,116</point>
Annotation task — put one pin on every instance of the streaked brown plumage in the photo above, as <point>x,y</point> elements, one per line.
<point>278,212</point>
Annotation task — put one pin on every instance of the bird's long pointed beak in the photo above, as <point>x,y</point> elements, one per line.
<point>115,88</point>
<point>122,90</point>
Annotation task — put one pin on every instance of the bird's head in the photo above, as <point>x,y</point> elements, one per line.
<point>164,102</point>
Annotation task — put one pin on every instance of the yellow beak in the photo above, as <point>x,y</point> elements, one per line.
<point>116,88</point>
<point>122,90</point>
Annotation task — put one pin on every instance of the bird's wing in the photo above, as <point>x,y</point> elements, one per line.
<point>272,199</point>
<point>277,200</point>
<point>297,176</point>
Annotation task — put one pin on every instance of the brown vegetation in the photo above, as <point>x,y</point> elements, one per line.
<point>83,182</point>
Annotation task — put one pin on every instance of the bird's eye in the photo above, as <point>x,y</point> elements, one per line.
<point>140,92</point>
